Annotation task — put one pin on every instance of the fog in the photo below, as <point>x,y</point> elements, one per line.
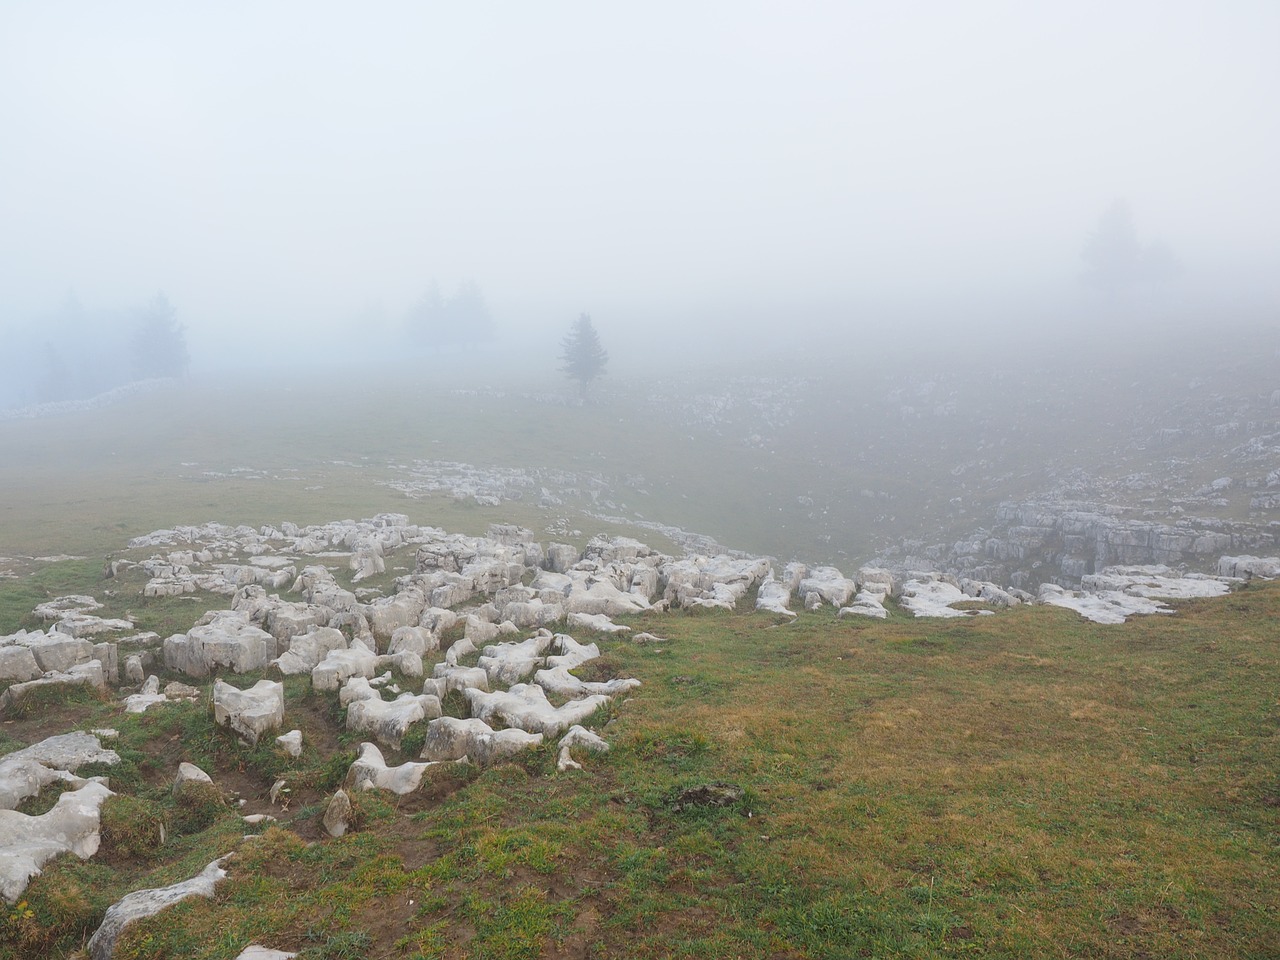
<point>295,176</point>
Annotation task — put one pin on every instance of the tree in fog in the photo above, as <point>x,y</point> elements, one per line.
<point>1117,260</point>
<point>159,345</point>
<point>582,357</point>
<point>459,320</point>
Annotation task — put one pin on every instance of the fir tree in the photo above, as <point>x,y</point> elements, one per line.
<point>582,358</point>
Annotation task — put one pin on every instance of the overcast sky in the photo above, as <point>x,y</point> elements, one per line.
<point>270,165</point>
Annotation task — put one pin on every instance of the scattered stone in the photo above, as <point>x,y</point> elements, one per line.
<point>291,743</point>
<point>525,706</point>
<point>27,843</point>
<point>582,738</point>
<point>223,638</point>
<point>449,738</point>
<point>598,622</point>
<point>337,816</point>
<point>81,675</point>
<point>255,952</point>
<point>370,772</point>
<point>191,780</point>
<point>250,713</point>
<point>146,903</point>
<point>24,773</point>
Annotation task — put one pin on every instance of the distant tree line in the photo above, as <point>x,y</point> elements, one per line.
<point>460,320</point>
<point>73,353</point>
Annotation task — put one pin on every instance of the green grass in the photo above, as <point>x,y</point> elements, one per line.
<point>1027,784</point>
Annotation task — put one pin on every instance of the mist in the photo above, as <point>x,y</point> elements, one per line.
<point>295,178</point>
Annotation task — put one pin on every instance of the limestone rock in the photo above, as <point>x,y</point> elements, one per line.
<point>250,713</point>
<point>255,952</point>
<point>291,743</point>
<point>146,903</point>
<point>572,653</point>
<point>389,721</point>
<point>370,772</point>
<point>224,638</point>
<point>598,622</point>
<point>449,738</point>
<point>830,584</point>
<point>582,738</point>
<point>82,674</point>
<point>462,678</point>
<point>525,706</point>
<point>561,683</point>
<point>508,663</point>
<point>306,651</point>
<point>337,816</point>
<point>774,596</point>
<point>27,843</point>
<point>24,773</point>
<point>18,663</point>
<point>338,666</point>
<point>190,777</point>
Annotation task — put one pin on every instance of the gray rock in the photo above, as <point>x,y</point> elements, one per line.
<point>250,713</point>
<point>146,903</point>
<point>337,816</point>
<point>370,772</point>
<point>24,773</point>
<point>291,743</point>
<point>28,843</point>
<point>449,738</point>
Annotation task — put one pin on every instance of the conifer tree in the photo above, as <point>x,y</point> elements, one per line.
<point>582,357</point>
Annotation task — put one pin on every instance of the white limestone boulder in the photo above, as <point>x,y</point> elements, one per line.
<point>146,903</point>
<point>1246,567</point>
<point>511,662</point>
<point>933,596</point>
<point>338,666</point>
<point>27,843</point>
<point>370,772</point>
<point>559,682</point>
<point>413,639</point>
<point>572,653</point>
<point>388,721</point>
<point>526,707</point>
<point>830,584</point>
<point>449,738</point>
<point>583,739</point>
<point>337,815</point>
<point>24,773</point>
<point>81,675</point>
<point>308,650</point>
<point>598,622</point>
<point>1111,607</point>
<point>291,743</point>
<point>18,664</point>
<point>249,713</point>
<point>462,678</point>
<point>774,597</point>
<point>222,638</point>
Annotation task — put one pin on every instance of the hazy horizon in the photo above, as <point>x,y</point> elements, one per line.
<point>690,176</point>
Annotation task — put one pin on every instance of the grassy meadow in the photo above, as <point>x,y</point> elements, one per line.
<point>1021,785</point>
<point>1026,784</point>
